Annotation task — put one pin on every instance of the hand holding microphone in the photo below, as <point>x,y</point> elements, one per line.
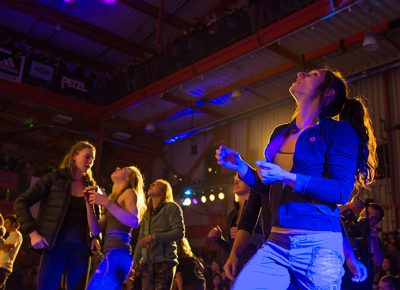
<point>97,196</point>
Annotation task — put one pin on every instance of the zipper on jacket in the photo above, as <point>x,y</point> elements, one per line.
<point>61,221</point>
<point>147,250</point>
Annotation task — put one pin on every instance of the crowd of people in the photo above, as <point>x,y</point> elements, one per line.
<point>292,226</point>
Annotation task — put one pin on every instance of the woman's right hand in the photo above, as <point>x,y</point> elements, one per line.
<point>37,241</point>
<point>230,159</point>
<point>231,266</point>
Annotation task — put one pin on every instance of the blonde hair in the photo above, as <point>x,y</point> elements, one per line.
<point>184,249</point>
<point>68,161</point>
<point>167,191</point>
<point>136,182</point>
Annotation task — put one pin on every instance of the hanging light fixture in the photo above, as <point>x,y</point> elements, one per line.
<point>370,42</point>
<point>150,128</point>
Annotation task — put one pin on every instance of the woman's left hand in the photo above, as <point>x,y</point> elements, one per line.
<point>99,199</point>
<point>146,240</point>
<point>270,173</point>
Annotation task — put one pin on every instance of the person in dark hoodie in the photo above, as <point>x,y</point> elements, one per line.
<point>62,229</point>
<point>161,228</point>
<point>226,238</point>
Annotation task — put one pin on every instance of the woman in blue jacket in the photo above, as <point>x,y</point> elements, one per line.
<point>311,165</point>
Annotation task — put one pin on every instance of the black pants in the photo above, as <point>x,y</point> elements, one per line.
<point>69,259</point>
<point>158,276</point>
<point>4,274</point>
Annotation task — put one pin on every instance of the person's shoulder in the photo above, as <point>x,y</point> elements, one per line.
<point>337,128</point>
<point>172,205</point>
<point>56,174</point>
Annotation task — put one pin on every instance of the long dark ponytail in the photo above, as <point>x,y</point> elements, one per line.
<point>356,113</point>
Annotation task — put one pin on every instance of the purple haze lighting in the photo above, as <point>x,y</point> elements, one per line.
<point>109,1</point>
<point>195,201</point>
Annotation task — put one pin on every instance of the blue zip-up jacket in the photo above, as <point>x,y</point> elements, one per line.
<point>325,162</point>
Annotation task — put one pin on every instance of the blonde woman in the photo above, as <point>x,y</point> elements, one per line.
<point>123,209</point>
<point>160,229</point>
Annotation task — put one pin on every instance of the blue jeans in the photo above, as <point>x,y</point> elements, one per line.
<point>112,270</point>
<point>71,259</point>
<point>313,261</point>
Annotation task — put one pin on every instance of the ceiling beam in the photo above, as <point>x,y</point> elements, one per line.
<point>190,104</point>
<point>266,35</point>
<point>69,56</point>
<point>325,50</point>
<point>283,52</point>
<point>74,25</point>
<point>153,12</point>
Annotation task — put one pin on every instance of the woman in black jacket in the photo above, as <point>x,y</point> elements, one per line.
<point>61,230</point>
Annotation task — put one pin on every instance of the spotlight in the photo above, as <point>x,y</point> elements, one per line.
<point>212,197</point>
<point>188,192</point>
<point>221,195</point>
<point>187,201</point>
<point>195,201</point>
<point>203,199</point>
<point>370,42</point>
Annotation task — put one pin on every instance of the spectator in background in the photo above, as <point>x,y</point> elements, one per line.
<point>9,249</point>
<point>189,272</point>
<point>388,268</point>
<point>359,232</point>
<point>217,282</point>
<point>161,228</point>
<point>389,283</point>
<point>225,239</point>
<point>2,229</point>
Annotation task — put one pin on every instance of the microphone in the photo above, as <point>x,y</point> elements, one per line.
<point>86,180</point>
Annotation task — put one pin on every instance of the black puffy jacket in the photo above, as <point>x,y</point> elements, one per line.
<point>53,191</point>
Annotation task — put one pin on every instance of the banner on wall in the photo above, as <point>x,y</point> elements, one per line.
<point>73,85</point>
<point>11,66</point>
<point>41,71</point>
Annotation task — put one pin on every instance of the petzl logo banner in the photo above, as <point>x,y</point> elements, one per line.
<point>11,66</point>
<point>41,71</point>
<point>73,85</point>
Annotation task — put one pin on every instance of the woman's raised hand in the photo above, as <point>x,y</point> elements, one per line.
<point>97,196</point>
<point>229,158</point>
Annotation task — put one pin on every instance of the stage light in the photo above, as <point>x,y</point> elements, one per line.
<point>195,201</point>
<point>187,201</point>
<point>221,195</point>
<point>212,197</point>
<point>188,192</point>
<point>203,199</point>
